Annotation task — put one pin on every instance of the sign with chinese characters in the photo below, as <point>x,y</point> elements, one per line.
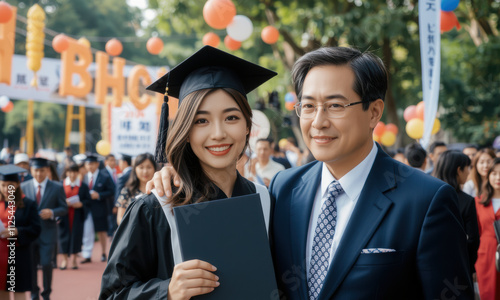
<point>429,12</point>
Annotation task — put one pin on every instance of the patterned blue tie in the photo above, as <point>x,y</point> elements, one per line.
<point>322,243</point>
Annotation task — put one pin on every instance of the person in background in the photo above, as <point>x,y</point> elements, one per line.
<point>279,156</point>
<point>71,225</point>
<point>292,152</point>
<point>27,228</point>
<point>470,151</point>
<point>110,163</point>
<point>435,150</point>
<point>265,167</point>
<point>53,175</point>
<point>488,211</point>
<point>416,156</point>
<point>22,160</point>
<point>497,153</point>
<point>143,169</point>
<point>67,159</point>
<point>453,167</point>
<point>400,155</point>
<point>480,167</point>
<point>125,165</point>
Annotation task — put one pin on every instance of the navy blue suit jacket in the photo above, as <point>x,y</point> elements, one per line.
<point>105,186</point>
<point>120,183</point>
<point>399,208</point>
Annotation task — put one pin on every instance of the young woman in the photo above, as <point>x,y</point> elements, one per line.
<point>27,229</point>
<point>143,169</point>
<point>71,225</point>
<point>488,210</point>
<point>208,135</point>
<point>480,166</point>
<point>453,167</point>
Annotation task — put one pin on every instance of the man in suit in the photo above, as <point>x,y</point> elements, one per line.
<point>51,201</point>
<point>102,190</point>
<point>357,224</point>
<point>125,164</point>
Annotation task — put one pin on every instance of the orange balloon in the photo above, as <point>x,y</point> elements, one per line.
<point>231,44</point>
<point>211,39</point>
<point>379,129</point>
<point>392,128</point>
<point>290,106</point>
<point>5,12</point>
<point>154,45</point>
<point>7,108</point>
<point>219,13</point>
<point>270,35</point>
<point>60,43</point>
<point>449,21</point>
<point>420,110</point>
<point>114,47</point>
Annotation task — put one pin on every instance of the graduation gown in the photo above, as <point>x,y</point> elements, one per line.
<point>142,255</point>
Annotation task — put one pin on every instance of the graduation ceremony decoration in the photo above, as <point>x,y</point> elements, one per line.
<point>219,13</point>
<point>6,12</point>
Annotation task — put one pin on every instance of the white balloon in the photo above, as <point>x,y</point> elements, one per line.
<point>240,29</point>
<point>4,100</point>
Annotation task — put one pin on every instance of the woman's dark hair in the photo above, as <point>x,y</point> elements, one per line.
<point>447,167</point>
<point>73,167</point>
<point>53,171</point>
<point>196,186</point>
<point>133,182</point>
<point>370,73</point>
<point>476,177</point>
<point>487,188</point>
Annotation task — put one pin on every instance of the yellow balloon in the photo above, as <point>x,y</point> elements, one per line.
<point>436,126</point>
<point>376,138</point>
<point>415,128</point>
<point>282,143</point>
<point>388,138</point>
<point>103,147</point>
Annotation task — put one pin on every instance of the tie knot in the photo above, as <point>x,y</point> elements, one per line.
<point>335,189</point>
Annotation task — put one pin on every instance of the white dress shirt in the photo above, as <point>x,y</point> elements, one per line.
<point>42,190</point>
<point>352,183</point>
<point>92,176</point>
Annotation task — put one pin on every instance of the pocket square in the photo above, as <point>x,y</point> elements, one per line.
<point>377,250</point>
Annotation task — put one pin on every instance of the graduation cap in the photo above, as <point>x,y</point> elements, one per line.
<point>91,158</point>
<point>9,172</point>
<point>208,68</point>
<point>39,162</point>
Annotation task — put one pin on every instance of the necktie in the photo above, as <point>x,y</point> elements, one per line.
<point>39,195</point>
<point>322,243</point>
<point>91,183</point>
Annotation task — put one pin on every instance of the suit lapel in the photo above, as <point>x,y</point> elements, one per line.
<point>370,210</point>
<point>46,194</point>
<point>300,212</point>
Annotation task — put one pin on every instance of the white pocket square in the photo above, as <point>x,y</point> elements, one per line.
<point>377,250</point>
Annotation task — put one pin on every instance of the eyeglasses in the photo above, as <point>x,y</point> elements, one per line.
<point>334,109</point>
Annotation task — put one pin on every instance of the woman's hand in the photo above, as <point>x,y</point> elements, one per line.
<point>192,278</point>
<point>78,205</point>
<point>161,181</point>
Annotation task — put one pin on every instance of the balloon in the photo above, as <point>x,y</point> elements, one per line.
<point>410,113</point>
<point>211,39</point>
<point>60,43</point>
<point>379,129</point>
<point>7,108</point>
<point>415,128</point>
<point>283,143</point>
<point>289,106</point>
<point>154,45</point>
<point>290,97</point>
<point>219,13</point>
<point>388,138</point>
<point>436,126</point>
<point>103,147</point>
<point>240,28</point>
<point>449,21</point>
<point>5,12</point>
<point>114,48</point>
<point>449,5</point>
<point>420,110</point>
<point>4,100</point>
<point>84,41</point>
<point>392,128</point>
<point>496,143</point>
<point>376,138</point>
<point>231,44</point>
<point>270,35</point>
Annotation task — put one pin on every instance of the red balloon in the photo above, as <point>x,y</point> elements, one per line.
<point>410,113</point>
<point>114,47</point>
<point>379,129</point>
<point>219,13</point>
<point>392,128</point>
<point>7,108</point>
<point>211,39</point>
<point>231,44</point>
<point>270,35</point>
<point>60,43</point>
<point>449,21</point>
<point>5,12</point>
<point>154,45</point>
<point>420,110</point>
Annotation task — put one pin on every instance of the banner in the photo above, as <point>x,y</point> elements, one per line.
<point>429,14</point>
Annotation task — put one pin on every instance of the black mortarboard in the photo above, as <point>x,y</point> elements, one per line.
<point>91,158</point>
<point>9,172</point>
<point>39,162</point>
<point>208,68</point>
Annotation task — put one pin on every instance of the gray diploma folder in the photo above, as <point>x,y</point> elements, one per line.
<point>231,235</point>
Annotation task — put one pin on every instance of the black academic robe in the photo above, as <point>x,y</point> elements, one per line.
<point>141,259</point>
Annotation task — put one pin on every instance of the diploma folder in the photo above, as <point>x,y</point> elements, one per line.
<point>231,235</point>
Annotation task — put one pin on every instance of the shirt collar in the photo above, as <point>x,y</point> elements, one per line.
<point>67,181</point>
<point>94,175</point>
<point>352,183</point>
<point>43,183</point>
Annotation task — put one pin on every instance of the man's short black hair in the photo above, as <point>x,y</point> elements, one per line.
<point>415,155</point>
<point>109,156</point>
<point>435,145</point>
<point>264,140</point>
<point>370,73</point>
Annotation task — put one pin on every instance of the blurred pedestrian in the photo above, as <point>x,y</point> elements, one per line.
<point>480,167</point>
<point>22,160</point>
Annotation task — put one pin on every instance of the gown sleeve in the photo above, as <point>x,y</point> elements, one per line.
<point>140,261</point>
<point>29,231</point>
